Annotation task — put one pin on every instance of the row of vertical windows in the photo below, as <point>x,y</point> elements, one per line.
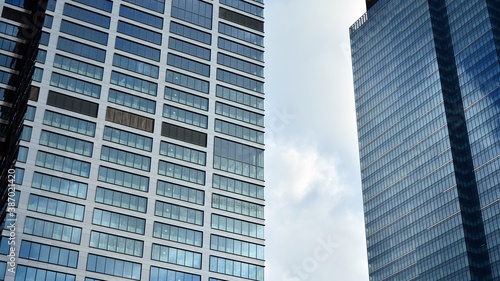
<point>135,65</point>
<point>9,29</point>
<point>237,247</point>
<point>183,134</point>
<point>79,67</point>
<point>178,213</point>
<point>182,153</point>
<point>54,207</point>
<point>237,226</point>
<point>240,81</point>
<point>117,244</point>
<point>103,5</point>
<point>239,114</point>
<point>185,116</point>
<point>241,19</point>
<point>161,274</point>
<point>44,39</point>
<point>63,164</point>
<point>89,34</point>
<point>185,98</point>
<point>66,143</point>
<point>8,62</point>
<point>24,273</point>
<point>124,179</point>
<point>180,172</point>
<point>115,267</point>
<point>239,159</point>
<point>86,16</point>
<point>37,76</point>
<point>81,49</point>
<point>188,65</point>
<point>244,6</point>
<point>240,49</point>
<point>48,254</point>
<point>125,158</point>
<point>127,138</point>
<point>237,206</point>
<point>26,133</point>
<point>188,48</point>
<point>59,185</point>
<point>72,104</point>
<point>240,65</point>
<point>7,45</point>
<point>154,5</point>
<point>238,187</point>
<point>180,192</point>
<point>178,234</point>
<point>194,11</point>
<point>52,230</point>
<point>141,17</point>
<point>176,256</point>
<point>40,56</point>
<point>133,83</point>
<point>191,33</point>
<point>236,268</point>
<point>22,154</point>
<point>121,199</point>
<point>118,221</point>
<point>129,119</point>
<point>137,49</point>
<point>5,77</point>
<point>241,34</point>
<point>239,131</point>
<point>69,123</point>
<point>131,101</point>
<point>139,32</point>
<point>187,81</point>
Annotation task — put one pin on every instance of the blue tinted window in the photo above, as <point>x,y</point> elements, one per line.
<point>121,199</point>
<point>44,39</point>
<point>135,65</point>
<point>239,97</point>
<point>161,274</point>
<point>185,116</point>
<point>180,172</point>
<point>118,221</point>
<point>176,256</point>
<point>178,213</point>
<point>241,34</point>
<point>24,273</point>
<point>54,207</point>
<point>115,267</point>
<point>239,64</point>
<point>48,254</point>
<point>186,98</point>
<point>238,186</point>
<point>127,138</point>
<point>237,226</point>
<point>187,81</point>
<point>22,154</point>
<point>237,206</point>
<point>75,85</point>
<point>182,153</point>
<point>139,32</point>
<point>124,179</point>
<point>69,123</point>
<point>80,67</point>
<point>81,49</point>
<point>240,81</point>
<point>141,17</point>
<point>52,230</point>
<point>63,164</point>
<point>190,33</point>
<point>104,5</point>
<point>84,32</point>
<point>189,48</point>
<point>189,65</point>
<point>7,45</point>
<point>48,21</point>
<point>237,247</point>
<point>137,49</point>
<point>86,16</point>
<point>239,114</point>
<point>177,234</point>
<point>59,185</point>
<point>240,49</point>
<point>9,29</point>
<point>66,143</point>
<point>114,243</point>
<point>155,5</point>
<point>133,83</point>
<point>26,133</point>
<point>125,158</point>
<point>239,131</point>
<point>194,11</point>
<point>236,268</point>
<point>131,101</point>
<point>244,6</point>
<point>238,158</point>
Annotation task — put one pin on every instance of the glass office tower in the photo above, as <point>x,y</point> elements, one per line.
<point>426,79</point>
<point>142,148</point>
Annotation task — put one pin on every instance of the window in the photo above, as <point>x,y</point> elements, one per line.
<point>179,213</point>
<point>193,11</point>
<point>154,5</point>
<point>238,158</point>
<point>178,234</point>
<point>59,185</point>
<point>121,199</point>
<point>180,192</point>
<point>26,133</point>
<point>137,49</point>
<point>48,21</point>
<point>63,164</point>
<point>187,81</point>
<point>72,104</point>
<point>139,32</point>
<point>185,116</point>
<point>240,81</point>
<point>237,186</point>
<point>104,5</point>
<point>81,49</point>
<point>181,172</point>
<point>241,65</point>
<point>54,207</point>
<point>86,16</point>
<point>124,179</point>
<point>22,154</point>
<point>161,274</point>
<point>49,254</point>
<point>176,256</point>
<point>236,268</point>
<point>84,32</point>
<point>9,29</point>
<point>237,247</point>
<point>135,65</point>
<point>118,221</point>
<point>240,49</point>
<point>7,45</point>
<point>241,19</point>
<point>129,119</point>
<point>127,138</point>
<point>117,244</point>
<point>37,76</point>
<point>185,98</point>
<point>44,39</point>
<point>241,34</point>
<point>30,113</point>
<point>239,131</point>
<point>239,97</point>
<point>69,123</point>
<point>40,57</point>
<point>10,62</point>
<point>114,267</point>
<point>182,153</point>
<point>237,206</point>
<point>237,226</point>
<point>24,273</point>
<point>239,114</point>
<point>188,65</point>
<point>52,230</point>
<point>141,17</point>
<point>79,67</point>
<point>133,83</point>
<point>125,158</point>
<point>66,143</point>
<point>19,176</point>
<point>183,134</point>
<point>191,33</point>
<point>188,48</point>
<point>75,85</point>
<point>131,101</point>
<point>244,6</point>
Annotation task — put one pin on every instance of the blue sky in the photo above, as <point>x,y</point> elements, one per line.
<point>314,210</point>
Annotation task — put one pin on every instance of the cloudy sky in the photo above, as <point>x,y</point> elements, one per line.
<point>314,206</point>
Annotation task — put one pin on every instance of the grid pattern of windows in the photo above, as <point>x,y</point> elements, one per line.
<point>239,159</point>
<point>188,48</point>
<point>176,256</point>
<point>56,207</point>
<point>24,273</point>
<point>63,164</point>
<point>66,143</point>
<point>194,11</point>
<point>117,244</point>
<point>118,221</point>
<point>81,49</point>
<point>141,17</point>
<point>125,158</point>
<point>182,153</point>
<point>122,178</point>
<point>86,16</point>
<point>52,230</point>
<point>115,267</point>
<point>48,254</point>
<point>178,234</point>
<point>191,33</point>
<point>127,138</point>
<point>121,199</point>
<point>181,172</point>
<point>139,32</point>
<point>179,213</point>
<point>59,185</point>
<point>83,32</point>
<point>137,49</point>
<point>180,192</point>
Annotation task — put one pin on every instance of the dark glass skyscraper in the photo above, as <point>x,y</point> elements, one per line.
<point>427,90</point>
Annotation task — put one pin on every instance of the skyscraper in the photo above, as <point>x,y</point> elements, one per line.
<point>142,150</point>
<point>427,91</point>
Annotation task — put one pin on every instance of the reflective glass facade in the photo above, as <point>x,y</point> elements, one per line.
<point>141,153</point>
<point>426,85</point>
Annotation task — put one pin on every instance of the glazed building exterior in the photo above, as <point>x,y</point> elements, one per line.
<point>141,156</point>
<point>427,96</point>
